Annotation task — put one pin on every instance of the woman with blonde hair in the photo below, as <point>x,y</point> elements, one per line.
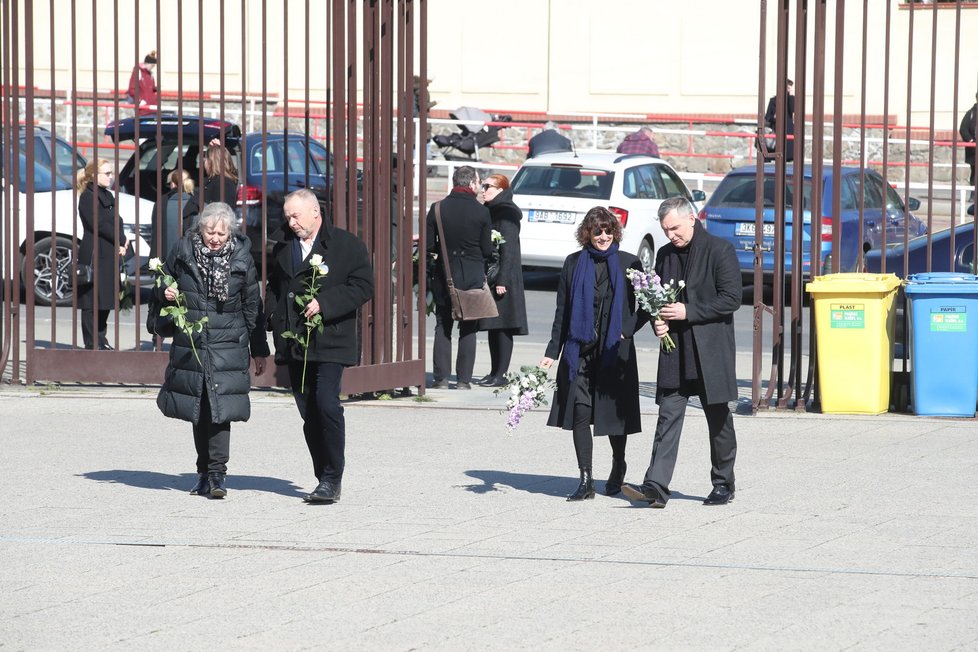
<point>102,240</point>
<point>174,214</point>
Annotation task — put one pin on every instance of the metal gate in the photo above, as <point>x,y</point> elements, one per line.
<point>826,137</point>
<point>356,65</point>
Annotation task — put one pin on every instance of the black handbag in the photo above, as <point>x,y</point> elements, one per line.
<point>467,305</point>
<point>84,275</point>
<point>492,269</point>
<point>157,324</point>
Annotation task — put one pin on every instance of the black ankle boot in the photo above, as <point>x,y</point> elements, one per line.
<point>585,490</point>
<point>202,488</point>
<point>216,482</point>
<point>613,486</point>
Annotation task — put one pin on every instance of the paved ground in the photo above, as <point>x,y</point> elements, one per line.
<point>846,533</point>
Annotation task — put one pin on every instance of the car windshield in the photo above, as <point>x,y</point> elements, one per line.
<point>564,181</point>
<point>741,192</point>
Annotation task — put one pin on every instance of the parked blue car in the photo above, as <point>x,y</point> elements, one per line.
<point>730,214</point>
<point>946,256</point>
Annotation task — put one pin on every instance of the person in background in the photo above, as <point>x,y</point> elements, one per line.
<point>548,141</point>
<point>468,240</point>
<point>142,91</point>
<point>595,319</point>
<point>967,131</point>
<point>208,383</point>
<point>771,119</point>
<point>508,286</point>
<point>703,364</point>
<point>173,215</point>
<point>640,142</point>
<point>102,240</point>
<point>347,285</point>
<point>221,182</point>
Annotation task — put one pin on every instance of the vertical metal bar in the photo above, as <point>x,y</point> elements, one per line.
<point>778,276</point>
<point>379,223</point>
<point>954,134</point>
<point>53,251</point>
<point>757,346</point>
<point>930,150</point>
<point>423,191</point>
<point>886,116</point>
<point>74,185</point>
<point>861,200</point>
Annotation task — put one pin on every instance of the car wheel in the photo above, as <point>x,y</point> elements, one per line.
<point>646,255</point>
<point>51,272</point>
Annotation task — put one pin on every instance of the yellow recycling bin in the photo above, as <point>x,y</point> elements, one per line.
<point>854,340</point>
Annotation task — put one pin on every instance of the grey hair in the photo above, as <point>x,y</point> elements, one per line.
<point>464,176</point>
<point>550,125</point>
<point>217,213</point>
<point>679,204</point>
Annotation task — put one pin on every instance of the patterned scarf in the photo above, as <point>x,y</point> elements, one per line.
<point>582,317</point>
<point>215,267</point>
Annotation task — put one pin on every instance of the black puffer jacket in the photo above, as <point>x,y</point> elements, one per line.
<point>233,327</point>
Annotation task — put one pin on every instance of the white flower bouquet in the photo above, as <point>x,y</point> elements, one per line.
<point>527,390</point>
<point>652,295</point>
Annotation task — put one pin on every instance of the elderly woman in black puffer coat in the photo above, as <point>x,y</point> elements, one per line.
<point>207,380</point>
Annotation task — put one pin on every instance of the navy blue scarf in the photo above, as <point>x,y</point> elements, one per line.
<point>582,320</point>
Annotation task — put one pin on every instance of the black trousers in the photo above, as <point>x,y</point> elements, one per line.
<point>442,348</point>
<point>669,428</point>
<point>323,423</point>
<point>90,326</point>
<point>500,351</point>
<point>212,441</point>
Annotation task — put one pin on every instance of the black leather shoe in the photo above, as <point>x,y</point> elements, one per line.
<point>327,492</point>
<point>642,493</point>
<point>463,385</point>
<point>721,495</point>
<point>203,487</point>
<point>216,482</point>
<point>617,476</point>
<point>440,384</point>
<point>497,382</point>
<point>485,380</point>
<point>585,490</point>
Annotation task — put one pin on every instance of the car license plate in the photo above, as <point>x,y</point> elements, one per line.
<point>747,229</point>
<point>558,217</point>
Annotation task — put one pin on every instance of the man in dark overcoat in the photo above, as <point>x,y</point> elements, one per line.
<point>703,363</point>
<point>468,240</point>
<point>316,370</point>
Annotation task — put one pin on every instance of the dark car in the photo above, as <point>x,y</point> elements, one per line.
<point>48,148</point>
<point>731,211</point>
<point>946,256</point>
<point>270,165</point>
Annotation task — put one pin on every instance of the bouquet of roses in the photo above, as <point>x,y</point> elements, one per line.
<point>319,270</point>
<point>527,390</point>
<point>652,295</point>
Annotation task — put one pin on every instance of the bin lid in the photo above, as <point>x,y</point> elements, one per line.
<point>942,283</point>
<point>852,282</point>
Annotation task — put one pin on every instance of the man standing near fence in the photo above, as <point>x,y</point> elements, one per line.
<point>967,131</point>
<point>316,364</point>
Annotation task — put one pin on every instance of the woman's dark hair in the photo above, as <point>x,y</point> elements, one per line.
<point>598,218</point>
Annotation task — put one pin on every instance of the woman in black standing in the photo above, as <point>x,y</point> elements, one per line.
<point>597,378</point>
<point>508,286</point>
<point>207,381</point>
<point>221,183</point>
<point>102,240</point>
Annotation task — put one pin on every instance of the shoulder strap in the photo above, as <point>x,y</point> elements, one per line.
<point>444,249</point>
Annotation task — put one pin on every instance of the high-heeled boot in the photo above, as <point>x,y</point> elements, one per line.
<point>216,482</point>
<point>585,490</point>
<point>615,479</point>
<point>202,488</point>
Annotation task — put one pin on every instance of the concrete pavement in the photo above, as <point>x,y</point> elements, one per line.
<point>847,532</point>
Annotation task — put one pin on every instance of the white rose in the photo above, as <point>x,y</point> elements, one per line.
<point>316,260</point>
<point>155,264</point>
<point>323,269</point>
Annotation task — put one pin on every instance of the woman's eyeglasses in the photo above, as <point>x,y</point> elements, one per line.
<point>598,231</point>
<point>487,186</point>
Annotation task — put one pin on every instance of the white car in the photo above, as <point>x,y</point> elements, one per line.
<point>556,190</point>
<point>55,221</point>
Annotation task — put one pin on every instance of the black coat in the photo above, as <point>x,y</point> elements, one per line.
<point>211,192</point>
<point>175,211</point>
<point>230,338</point>
<point>467,237</point>
<point>506,217</point>
<point>967,131</point>
<point>615,388</point>
<point>348,285</point>
<point>101,225</point>
<point>712,295</point>
<point>548,141</point>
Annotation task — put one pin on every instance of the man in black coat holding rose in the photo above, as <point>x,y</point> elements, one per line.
<point>703,363</point>
<point>344,282</point>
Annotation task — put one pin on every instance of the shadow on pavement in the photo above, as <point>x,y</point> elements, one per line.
<point>528,482</point>
<point>184,481</point>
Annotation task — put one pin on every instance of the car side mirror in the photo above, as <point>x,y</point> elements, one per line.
<point>699,195</point>
<point>913,203</point>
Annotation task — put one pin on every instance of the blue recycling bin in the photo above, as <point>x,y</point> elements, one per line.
<point>943,343</point>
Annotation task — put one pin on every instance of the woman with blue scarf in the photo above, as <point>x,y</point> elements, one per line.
<point>597,378</point>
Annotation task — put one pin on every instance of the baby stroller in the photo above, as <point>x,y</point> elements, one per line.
<point>471,136</point>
